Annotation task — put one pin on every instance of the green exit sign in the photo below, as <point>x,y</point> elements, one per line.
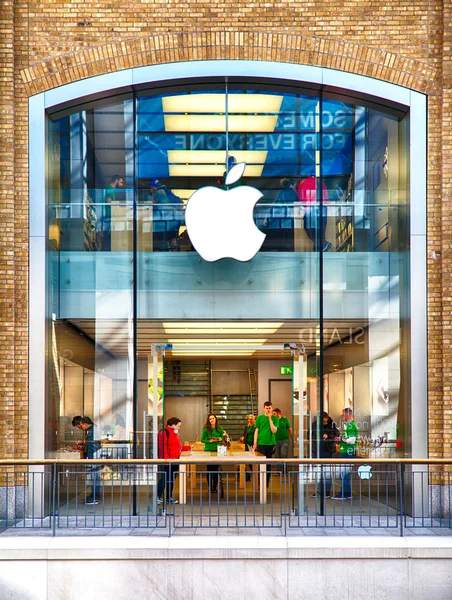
<point>285,370</point>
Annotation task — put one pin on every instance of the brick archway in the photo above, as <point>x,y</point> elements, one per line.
<point>254,46</point>
<point>238,45</point>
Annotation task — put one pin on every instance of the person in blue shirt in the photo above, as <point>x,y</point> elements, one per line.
<point>91,450</point>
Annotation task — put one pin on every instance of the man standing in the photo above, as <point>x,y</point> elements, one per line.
<point>168,446</point>
<point>348,442</point>
<point>105,221</point>
<point>282,435</point>
<point>77,422</point>
<point>264,434</point>
<point>91,450</point>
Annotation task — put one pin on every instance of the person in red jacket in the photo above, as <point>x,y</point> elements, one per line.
<point>314,216</point>
<point>168,446</point>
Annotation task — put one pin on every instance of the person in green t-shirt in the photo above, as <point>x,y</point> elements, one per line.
<point>264,434</point>
<point>248,433</point>
<point>212,436</point>
<point>283,435</point>
<point>348,442</point>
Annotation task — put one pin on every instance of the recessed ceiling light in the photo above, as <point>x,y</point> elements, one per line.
<point>216,103</point>
<point>217,342</point>
<point>210,170</point>
<point>221,326</point>
<point>213,331</point>
<point>211,353</point>
<point>215,124</point>
<point>209,157</point>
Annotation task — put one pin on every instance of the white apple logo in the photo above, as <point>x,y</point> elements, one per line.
<point>364,472</point>
<point>220,222</point>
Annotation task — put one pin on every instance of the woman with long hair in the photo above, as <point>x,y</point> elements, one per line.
<point>212,436</point>
<point>120,429</point>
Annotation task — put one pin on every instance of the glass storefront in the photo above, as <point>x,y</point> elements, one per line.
<point>142,325</point>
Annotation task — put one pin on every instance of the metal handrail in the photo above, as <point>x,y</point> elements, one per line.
<point>229,459</point>
<point>146,204</point>
<point>63,494</point>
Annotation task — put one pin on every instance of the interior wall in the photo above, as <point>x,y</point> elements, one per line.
<point>349,352</point>
<point>362,399</point>
<point>336,396</point>
<point>192,411</point>
<point>234,381</point>
<point>269,369</point>
<point>73,390</point>
<point>91,386</point>
<point>311,395</point>
<point>281,396</point>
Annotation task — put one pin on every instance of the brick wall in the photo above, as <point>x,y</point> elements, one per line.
<point>47,43</point>
<point>7,216</point>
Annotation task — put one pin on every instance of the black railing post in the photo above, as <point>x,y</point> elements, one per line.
<point>170,486</point>
<point>53,508</point>
<point>321,488</point>
<point>284,480</point>
<point>401,471</point>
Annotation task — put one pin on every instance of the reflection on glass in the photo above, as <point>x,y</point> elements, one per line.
<point>184,142</point>
<point>331,273</point>
<point>90,220</point>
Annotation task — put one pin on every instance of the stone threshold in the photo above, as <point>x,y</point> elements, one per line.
<point>226,548</point>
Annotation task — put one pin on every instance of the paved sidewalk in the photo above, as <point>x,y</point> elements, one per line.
<point>436,532</point>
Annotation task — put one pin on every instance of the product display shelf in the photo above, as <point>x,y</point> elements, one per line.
<point>345,233</point>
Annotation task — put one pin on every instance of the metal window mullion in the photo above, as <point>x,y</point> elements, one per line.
<point>134,303</point>
<point>319,203</point>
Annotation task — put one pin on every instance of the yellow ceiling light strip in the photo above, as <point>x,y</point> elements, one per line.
<point>215,342</point>
<point>259,331</point>
<point>220,327</point>
<point>195,103</point>
<point>217,123</point>
<point>210,170</point>
<point>216,103</point>
<point>222,324</point>
<point>201,157</point>
<point>254,103</point>
<point>216,347</point>
<point>206,349</point>
<point>211,353</point>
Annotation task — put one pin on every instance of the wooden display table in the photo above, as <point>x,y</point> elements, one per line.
<point>232,457</point>
<point>68,455</point>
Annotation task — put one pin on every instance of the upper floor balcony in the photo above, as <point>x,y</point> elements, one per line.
<point>350,257</point>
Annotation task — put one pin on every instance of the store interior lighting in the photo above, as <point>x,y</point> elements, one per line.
<point>200,157</point>
<point>216,103</point>
<point>217,123</point>
<point>221,328</point>
<point>206,342</point>
<point>210,170</point>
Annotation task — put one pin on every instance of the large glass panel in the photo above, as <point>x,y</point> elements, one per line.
<point>91,350</point>
<point>325,294</point>
<point>365,342</point>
